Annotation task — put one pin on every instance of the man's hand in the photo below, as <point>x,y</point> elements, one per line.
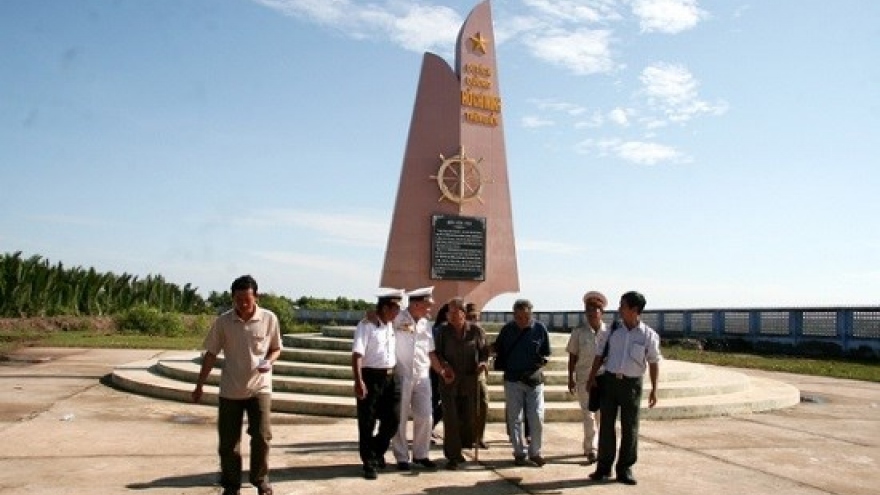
<point>360,390</point>
<point>197,394</point>
<point>652,398</point>
<point>571,384</point>
<point>448,375</point>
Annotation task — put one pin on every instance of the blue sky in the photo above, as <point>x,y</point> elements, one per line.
<point>706,153</point>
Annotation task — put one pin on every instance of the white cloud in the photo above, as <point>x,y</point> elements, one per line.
<point>596,119</point>
<point>571,11</point>
<point>331,264</point>
<point>672,90</point>
<point>667,16</point>
<point>619,116</point>
<point>424,28</point>
<point>76,221</point>
<point>347,229</point>
<point>531,122</point>
<point>416,28</point>
<point>638,152</point>
<point>559,106</point>
<point>583,52</point>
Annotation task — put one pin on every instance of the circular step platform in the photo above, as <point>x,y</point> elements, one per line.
<point>313,376</point>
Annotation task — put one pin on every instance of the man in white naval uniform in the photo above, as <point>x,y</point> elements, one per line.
<point>415,355</point>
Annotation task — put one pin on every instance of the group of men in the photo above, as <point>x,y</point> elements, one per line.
<point>612,363</point>
<point>393,352</point>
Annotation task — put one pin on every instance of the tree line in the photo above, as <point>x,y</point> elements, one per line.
<point>33,286</point>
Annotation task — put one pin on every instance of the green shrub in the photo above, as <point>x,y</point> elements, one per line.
<point>150,321</point>
<point>283,309</point>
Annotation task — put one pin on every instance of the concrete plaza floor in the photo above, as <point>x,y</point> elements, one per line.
<point>64,431</point>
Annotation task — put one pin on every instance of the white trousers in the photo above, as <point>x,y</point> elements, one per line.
<point>591,431</point>
<point>415,401</point>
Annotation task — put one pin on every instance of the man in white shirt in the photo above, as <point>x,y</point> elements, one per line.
<point>632,347</point>
<point>414,343</point>
<point>373,357</point>
<point>581,350</point>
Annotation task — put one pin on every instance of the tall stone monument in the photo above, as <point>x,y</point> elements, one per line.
<point>452,226</point>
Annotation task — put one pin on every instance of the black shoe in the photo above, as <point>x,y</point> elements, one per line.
<point>370,472</point>
<point>626,479</point>
<point>231,491</point>
<point>452,465</point>
<point>403,466</point>
<point>380,462</point>
<point>599,476</point>
<point>428,463</point>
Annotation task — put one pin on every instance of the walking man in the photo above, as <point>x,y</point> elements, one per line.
<point>414,342</point>
<point>250,339</point>
<point>523,347</point>
<point>631,348</point>
<point>581,353</point>
<point>373,357</point>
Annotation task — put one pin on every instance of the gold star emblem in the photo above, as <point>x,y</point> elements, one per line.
<point>478,43</point>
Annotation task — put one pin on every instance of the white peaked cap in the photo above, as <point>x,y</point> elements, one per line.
<point>423,293</point>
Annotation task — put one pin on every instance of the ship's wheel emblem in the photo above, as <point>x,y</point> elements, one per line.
<point>459,178</point>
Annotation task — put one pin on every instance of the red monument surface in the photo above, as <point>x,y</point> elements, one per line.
<point>452,226</point>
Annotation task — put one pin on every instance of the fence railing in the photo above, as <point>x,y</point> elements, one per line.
<point>851,329</point>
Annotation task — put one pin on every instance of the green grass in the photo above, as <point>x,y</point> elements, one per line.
<point>830,367</point>
<point>12,339</point>
<point>867,370</point>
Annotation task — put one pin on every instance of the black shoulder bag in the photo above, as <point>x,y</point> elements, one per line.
<point>596,390</point>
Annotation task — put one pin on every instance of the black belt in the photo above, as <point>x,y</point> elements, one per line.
<point>377,371</point>
<point>621,376</point>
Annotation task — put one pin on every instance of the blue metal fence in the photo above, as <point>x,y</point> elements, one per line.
<point>852,329</point>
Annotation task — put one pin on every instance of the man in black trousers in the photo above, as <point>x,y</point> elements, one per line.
<point>626,352</point>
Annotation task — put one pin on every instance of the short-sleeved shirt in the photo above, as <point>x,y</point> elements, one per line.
<point>375,343</point>
<point>462,354</point>
<point>630,350</point>
<point>414,341</point>
<point>523,354</point>
<point>582,343</point>
<point>244,344</point>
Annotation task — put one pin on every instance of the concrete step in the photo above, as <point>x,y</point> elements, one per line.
<point>558,340</point>
<point>676,381</point>
<point>313,376</point>
<point>146,377</point>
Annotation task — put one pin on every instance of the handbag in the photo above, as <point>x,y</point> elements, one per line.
<point>533,378</point>
<point>595,394</point>
<point>596,390</point>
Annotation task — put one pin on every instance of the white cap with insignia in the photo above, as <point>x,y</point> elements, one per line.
<point>392,295</point>
<point>423,294</point>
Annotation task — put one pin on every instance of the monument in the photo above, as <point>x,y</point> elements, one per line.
<point>452,225</point>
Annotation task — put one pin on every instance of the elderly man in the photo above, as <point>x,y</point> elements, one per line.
<point>625,352</point>
<point>414,341</point>
<point>523,348</point>
<point>581,350</point>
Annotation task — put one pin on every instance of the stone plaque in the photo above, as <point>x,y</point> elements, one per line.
<point>458,248</point>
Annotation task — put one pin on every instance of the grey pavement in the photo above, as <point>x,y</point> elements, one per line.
<point>64,431</point>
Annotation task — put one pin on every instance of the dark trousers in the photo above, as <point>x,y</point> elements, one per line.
<point>229,423</point>
<point>381,405</point>
<point>459,415</point>
<point>436,407</point>
<point>623,395</point>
